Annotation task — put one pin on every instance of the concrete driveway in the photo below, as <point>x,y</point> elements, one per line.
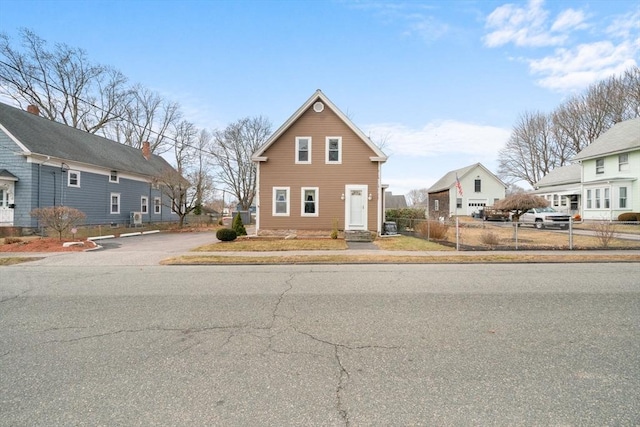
<point>147,249</point>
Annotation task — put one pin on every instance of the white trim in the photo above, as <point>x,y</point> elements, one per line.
<point>69,173</point>
<point>24,149</point>
<point>287,201</point>
<point>117,180</point>
<point>318,95</point>
<point>157,211</point>
<point>347,207</point>
<point>297,154</point>
<point>316,201</point>
<point>326,150</point>
<point>144,205</point>
<point>111,196</point>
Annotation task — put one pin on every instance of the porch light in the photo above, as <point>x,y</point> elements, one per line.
<point>342,197</point>
<point>370,196</point>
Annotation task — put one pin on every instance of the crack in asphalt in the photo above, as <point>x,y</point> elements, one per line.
<point>15,296</point>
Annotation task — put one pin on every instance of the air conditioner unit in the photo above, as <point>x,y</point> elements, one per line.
<point>135,218</point>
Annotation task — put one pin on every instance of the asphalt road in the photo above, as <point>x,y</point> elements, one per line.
<point>367,345</point>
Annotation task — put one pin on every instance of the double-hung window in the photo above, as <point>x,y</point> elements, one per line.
<point>589,202</point>
<point>303,149</point>
<point>157,205</point>
<point>599,166</point>
<point>333,150</point>
<point>115,203</point>
<point>597,198</point>
<point>622,197</point>
<point>309,201</point>
<point>478,186</point>
<point>281,201</point>
<point>436,205</point>
<point>623,162</point>
<point>113,176</point>
<point>144,204</point>
<point>73,178</point>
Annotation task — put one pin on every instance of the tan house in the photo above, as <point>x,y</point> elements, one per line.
<point>318,169</point>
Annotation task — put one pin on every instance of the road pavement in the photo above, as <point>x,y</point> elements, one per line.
<point>365,345</point>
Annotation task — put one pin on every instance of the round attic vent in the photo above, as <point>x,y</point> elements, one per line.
<point>318,107</point>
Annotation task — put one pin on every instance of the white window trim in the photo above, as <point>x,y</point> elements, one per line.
<point>623,166</point>
<point>316,201</point>
<point>298,139</point>
<point>69,173</point>
<point>288,201</point>
<point>144,205</point>
<point>117,180</point>
<point>111,196</point>
<point>326,157</point>
<point>436,205</point>
<point>600,169</point>
<point>157,207</point>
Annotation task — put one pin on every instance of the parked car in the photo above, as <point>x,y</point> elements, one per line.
<point>545,217</point>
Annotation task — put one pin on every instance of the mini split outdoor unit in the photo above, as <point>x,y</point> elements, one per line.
<point>135,218</point>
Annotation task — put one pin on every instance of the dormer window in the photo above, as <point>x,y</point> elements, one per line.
<point>334,149</point>
<point>303,149</point>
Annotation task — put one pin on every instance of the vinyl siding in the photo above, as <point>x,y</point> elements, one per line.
<point>280,170</point>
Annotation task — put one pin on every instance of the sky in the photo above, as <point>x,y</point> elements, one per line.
<point>439,83</point>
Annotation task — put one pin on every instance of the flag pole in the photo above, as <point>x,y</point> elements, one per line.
<point>458,193</point>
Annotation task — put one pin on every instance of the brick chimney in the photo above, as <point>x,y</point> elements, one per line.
<point>146,150</point>
<point>33,109</point>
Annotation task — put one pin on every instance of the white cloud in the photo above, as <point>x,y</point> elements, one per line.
<point>568,20</point>
<point>574,69</point>
<point>527,26</point>
<point>440,137</point>
<point>568,68</point>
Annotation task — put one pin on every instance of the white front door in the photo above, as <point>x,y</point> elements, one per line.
<point>6,199</point>
<point>356,207</point>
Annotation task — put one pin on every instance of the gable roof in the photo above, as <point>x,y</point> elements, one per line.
<point>568,174</point>
<point>621,137</point>
<point>449,179</point>
<point>394,201</point>
<point>318,96</point>
<point>38,135</point>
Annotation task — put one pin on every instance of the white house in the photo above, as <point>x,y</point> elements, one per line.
<point>610,172</point>
<point>562,188</point>
<point>465,191</point>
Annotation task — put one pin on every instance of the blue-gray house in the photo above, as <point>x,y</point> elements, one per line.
<point>44,163</point>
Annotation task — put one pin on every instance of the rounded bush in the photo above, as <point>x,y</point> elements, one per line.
<point>226,235</point>
<point>629,216</point>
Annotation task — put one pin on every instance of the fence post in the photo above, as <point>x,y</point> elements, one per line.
<point>570,234</point>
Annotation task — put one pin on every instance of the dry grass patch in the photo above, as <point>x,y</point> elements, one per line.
<point>408,243</point>
<point>487,258</point>
<point>253,244</point>
<point>529,237</point>
<point>17,260</point>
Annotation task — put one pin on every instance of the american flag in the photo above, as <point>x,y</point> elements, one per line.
<point>458,186</point>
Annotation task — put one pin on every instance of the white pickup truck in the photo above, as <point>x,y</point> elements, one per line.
<point>545,217</point>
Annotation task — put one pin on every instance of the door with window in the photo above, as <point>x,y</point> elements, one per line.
<point>6,203</point>
<point>356,207</point>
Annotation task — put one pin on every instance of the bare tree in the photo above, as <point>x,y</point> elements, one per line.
<point>147,117</point>
<point>418,197</point>
<point>58,218</point>
<point>529,153</point>
<point>232,149</point>
<point>61,82</point>
<point>540,143</point>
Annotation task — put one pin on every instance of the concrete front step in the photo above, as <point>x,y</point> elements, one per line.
<point>357,236</point>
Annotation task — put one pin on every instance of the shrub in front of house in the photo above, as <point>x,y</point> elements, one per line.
<point>629,216</point>
<point>226,235</point>
<point>238,226</point>
<point>432,229</point>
